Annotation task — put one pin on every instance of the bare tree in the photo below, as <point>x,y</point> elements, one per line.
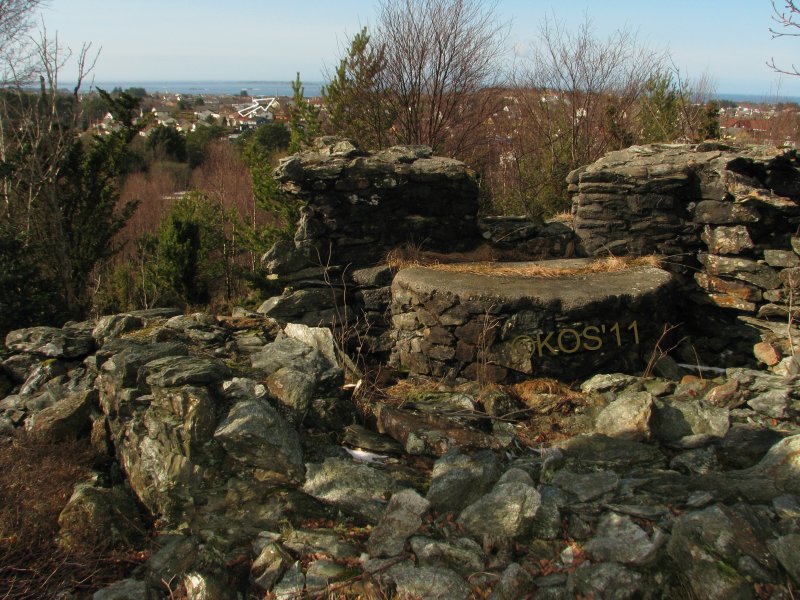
<point>573,99</point>
<point>788,19</point>
<point>16,20</point>
<point>439,55</point>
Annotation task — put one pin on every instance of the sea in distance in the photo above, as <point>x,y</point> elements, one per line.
<point>313,89</point>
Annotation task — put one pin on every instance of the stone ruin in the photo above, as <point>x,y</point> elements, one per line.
<point>726,220</point>
<point>237,434</point>
<point>723,222</point>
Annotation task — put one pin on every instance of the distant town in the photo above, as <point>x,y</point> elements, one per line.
<point>740,122</point>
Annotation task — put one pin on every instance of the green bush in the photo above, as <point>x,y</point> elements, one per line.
<point>26,296</point>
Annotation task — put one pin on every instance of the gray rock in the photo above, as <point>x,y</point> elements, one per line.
<point>285,257</point>
<point>547,525</point>
<point>243,388</point>
<point>177,556</point>
<point>675,419</point>
<point>373,276</point>
<point>51,342</point>
<point>318,338</point>
<point>203,586</point>
<point>727,240</point>
<point>781,464</point>
<point>612,382</point>
<point>402,518</point>
<point>507,511</point>
<point>322,573</point>
<point>618,539</point>
<point>458,479</point>
<point>781,258</point>
<point>711,211</point>
<point>586,486</point>
<point>150,314</point>
<point>291,584</point>
<point>353,487</point>
<point>68,418</point>
<point>291,353</point>
<point>706,546</point>
<point>127,589</point>
<point>269,566</point>
<point>40,375</point>
<point>18,366</point>
<point>600,452</point>
<point>294,390</point>
<point>787,507</point>
<point>695,462</point>
<point>124,366</point>
<point>462,555</point>
<point>628,417</point>
<point>787,550</point>
<point>609,581</point>
<point>96,516</point>
<point>428,583</point>
<point>294,305</point>
<point>515,582</point>
<point>174,371</point>
<point>314,541</point>
<point>744,269</point>
<point>114,326</point>
<point>745,445</point>
<point>256,435</point>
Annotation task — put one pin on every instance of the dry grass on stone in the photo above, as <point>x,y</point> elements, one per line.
<point>414,256</point>
<point>486,260</point>
<point>602,265</point>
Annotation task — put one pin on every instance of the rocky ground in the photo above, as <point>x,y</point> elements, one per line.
<point>262,473</point>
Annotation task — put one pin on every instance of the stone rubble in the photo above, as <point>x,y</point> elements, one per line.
<point>672,486</point>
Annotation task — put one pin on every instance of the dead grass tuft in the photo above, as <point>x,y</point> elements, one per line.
<point>486,260</point>
<point>563,217</point>
<point>36,481</point>
<point>413,256</point>
<point>603,265</point>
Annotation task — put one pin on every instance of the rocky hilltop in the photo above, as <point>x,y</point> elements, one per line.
<point>248,455</point>
<point>235,434</point>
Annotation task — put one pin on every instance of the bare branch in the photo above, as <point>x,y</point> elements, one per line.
<point>788,18</point>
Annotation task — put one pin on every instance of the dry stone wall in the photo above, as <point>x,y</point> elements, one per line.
<point>729,215</point>
<point>505,328</point>
<point>358,206</point>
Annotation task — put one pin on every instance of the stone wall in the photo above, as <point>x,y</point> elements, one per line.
<point>357,206</point>
<point>727,215</point>
<point>501,327</point>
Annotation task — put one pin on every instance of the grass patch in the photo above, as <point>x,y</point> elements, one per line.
<point>36,481</point>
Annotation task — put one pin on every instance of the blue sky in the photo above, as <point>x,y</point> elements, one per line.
<point>270,40</point>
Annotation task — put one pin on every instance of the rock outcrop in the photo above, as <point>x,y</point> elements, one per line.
<point>632,487</point>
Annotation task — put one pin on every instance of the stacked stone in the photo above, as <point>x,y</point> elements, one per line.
<point>734,211</point>
<point>635,201</point>
<point>505,328</point>
<point>522,235</point>
<point>356,208</point>
<point>374,296</point>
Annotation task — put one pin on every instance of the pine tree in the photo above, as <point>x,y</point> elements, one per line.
<point>304,123</point>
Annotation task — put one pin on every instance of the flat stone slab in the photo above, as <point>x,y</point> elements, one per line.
<point>566,292</point>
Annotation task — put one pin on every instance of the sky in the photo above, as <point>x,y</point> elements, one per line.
<point>249,40</point>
